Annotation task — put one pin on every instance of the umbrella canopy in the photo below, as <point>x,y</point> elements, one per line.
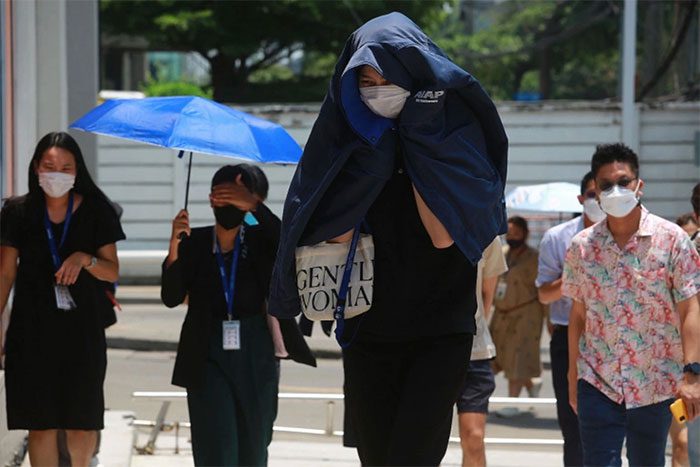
<point>548,197</point>
<point>194,124</point>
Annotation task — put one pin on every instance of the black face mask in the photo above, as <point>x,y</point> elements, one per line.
<point>515,244</point>
<point>229,216</point>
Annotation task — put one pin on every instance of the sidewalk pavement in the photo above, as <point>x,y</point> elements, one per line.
<point>330,452</point>
<point>146,324</point>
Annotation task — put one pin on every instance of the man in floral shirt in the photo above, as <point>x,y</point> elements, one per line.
<point>634,328</point>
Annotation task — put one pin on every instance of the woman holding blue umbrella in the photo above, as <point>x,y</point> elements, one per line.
<point>226,357</point>
<point>57,243</point>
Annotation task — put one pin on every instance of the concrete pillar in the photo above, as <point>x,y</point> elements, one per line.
<point>55,75</point>
<point>630,111</point>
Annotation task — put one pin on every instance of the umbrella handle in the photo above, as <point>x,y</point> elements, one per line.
<point>187,189</point>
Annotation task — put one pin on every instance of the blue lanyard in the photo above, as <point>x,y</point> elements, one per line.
<point>339,313</point>
<point>228,281</point>
<point>49,232</point>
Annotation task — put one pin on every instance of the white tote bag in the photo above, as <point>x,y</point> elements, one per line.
<point>320,273</point>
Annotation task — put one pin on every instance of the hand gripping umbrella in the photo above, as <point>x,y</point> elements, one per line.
<point>193,124</point>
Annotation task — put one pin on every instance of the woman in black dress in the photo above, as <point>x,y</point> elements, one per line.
<point>226,358</point>
<point>57,243</point>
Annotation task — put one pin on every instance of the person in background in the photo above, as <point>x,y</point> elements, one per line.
<point>634,326</point>
<point>517,322</point>
<point>226,354</point>
<point>549,270</point>
<point>473,404</point>
<point>57,243</point>
<point>689,223</point>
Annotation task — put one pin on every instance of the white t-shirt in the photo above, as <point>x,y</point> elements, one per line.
<point>491,264</point>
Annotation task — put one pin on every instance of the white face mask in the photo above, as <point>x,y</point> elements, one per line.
<point>386,101</point>
<point>592,210</point>
<point>618,202</point>
<point>56,184</point>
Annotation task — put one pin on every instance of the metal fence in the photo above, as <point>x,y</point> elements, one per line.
<point>166,397</point>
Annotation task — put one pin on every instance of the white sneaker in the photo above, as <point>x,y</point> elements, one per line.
<point>508,412</point>
<point>534,391</point>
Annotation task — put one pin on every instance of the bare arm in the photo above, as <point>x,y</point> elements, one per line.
<point>344,238</point>
<point>105,269</point>
<point>488,291</point>
<point>689,389</point>
<point>107,266</point>
<point>8,273</point>
<point>549,292</point>
<point>439,235</point>
<point>577,323</point>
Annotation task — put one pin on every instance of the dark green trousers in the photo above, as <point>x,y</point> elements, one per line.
<point>233,412</point>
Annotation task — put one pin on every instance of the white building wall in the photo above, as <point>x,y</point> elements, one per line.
<point>548,142</point>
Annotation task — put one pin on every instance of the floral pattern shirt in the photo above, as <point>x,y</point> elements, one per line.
<point>630,349</point>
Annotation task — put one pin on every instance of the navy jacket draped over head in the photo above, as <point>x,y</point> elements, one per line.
<point>449,132</point>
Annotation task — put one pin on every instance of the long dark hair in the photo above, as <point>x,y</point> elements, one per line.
<point>84,185</point>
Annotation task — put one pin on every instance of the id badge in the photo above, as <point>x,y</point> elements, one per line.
<point>501,289</point>
<point>232,335</point>
<point>64,300</point>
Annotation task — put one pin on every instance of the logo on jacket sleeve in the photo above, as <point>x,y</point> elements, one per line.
<point>429,97</point>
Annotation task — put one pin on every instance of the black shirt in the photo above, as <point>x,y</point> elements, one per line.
<point>419,290</point>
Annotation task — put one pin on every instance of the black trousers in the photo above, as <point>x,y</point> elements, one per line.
<point>400,397</point>
<point>568,422</point>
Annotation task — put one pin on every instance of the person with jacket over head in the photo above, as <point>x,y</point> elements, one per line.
<point>410,145</point>
<point>226,356</point>
<point>58,248</point>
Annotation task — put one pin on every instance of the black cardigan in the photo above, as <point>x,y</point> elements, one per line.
<point>196,275</point>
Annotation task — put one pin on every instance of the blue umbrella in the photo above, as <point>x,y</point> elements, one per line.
<point>193,124</point>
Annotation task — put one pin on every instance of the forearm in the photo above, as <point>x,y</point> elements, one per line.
<point>6,283</point>
<point>172,252</point>
<point>172,289</point>
<point>577,324</point>
<point>488,291</point>
<point>549,292</point>
<point>439,235</point>
<point>105,270</point>
<point>690,329</point>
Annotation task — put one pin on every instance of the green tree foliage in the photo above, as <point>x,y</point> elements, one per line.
<point>561,49</point>
<point>570,49</point>
<point>174,88</point>
<point>243,37</point>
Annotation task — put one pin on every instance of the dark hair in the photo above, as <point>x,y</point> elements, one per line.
<point>616,152</point>
<point>695,199</point>
<point>252,176</point>
<point>686,219</point>
<point>519,222</point>
<point>585,180</point>
<point>84,185</point>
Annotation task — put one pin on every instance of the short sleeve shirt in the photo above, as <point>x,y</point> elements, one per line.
<point>492,264</point>
<point>550,264</point>
<point>631,349</point>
